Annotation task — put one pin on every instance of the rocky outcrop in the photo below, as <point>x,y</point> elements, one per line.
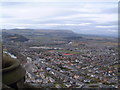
<point>12,72</point>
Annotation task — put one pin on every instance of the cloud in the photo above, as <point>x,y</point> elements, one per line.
<point>106,26</point>
<point>60,1</point>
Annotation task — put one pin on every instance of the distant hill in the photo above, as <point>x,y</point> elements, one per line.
<point>14,37</point>
<point>44,32</point>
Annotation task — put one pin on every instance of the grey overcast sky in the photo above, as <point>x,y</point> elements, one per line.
<point>98,17</point>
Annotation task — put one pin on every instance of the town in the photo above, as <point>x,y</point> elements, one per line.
<point>56,60</point>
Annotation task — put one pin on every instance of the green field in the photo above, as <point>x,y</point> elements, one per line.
<point>117,66</point>
<point>68,51</point>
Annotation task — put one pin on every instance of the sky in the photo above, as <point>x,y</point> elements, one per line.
<point>99,17</point>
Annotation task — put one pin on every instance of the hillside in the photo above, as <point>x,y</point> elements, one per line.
<point>14,37</point>
<point>41,32</point>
